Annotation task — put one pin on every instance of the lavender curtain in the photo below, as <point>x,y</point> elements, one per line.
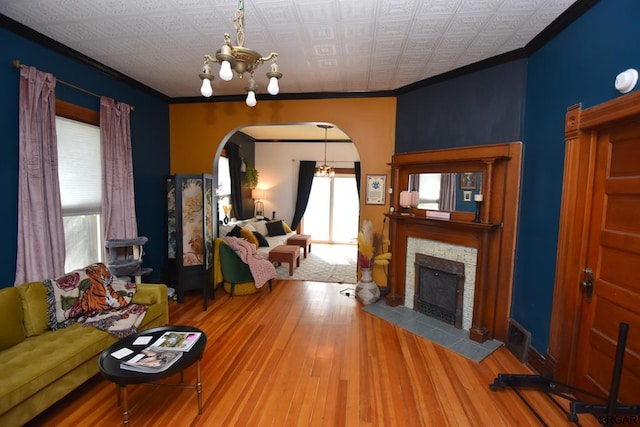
<point>41,248</point>
<point>118,200</point>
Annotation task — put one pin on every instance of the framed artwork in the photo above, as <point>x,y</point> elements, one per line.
<point>376,190</point>
<point>468,181</point>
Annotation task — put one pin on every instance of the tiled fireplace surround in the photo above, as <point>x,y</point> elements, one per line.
<point>466,255</point>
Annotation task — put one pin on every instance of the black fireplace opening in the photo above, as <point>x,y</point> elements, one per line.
<point>439,288</point>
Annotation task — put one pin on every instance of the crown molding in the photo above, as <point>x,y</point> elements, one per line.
<point>30,34</point>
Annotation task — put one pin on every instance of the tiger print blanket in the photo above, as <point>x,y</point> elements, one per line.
<point>94,297</point>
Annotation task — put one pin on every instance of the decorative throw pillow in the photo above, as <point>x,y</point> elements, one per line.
<point>34,306</point>
<point>11,317</point>
<point>235,232</point>
<point>286,227</point>
<point>224,229</point>
<point>261,227</point>
<point>262,242</point>
<point>63,294</point>
<point>248,236</point>
<point>276,228</point>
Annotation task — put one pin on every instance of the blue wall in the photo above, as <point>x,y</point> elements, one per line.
<point>149,135</point>
<point>578,66</point>
<point>484,107</point>
<point>527,100</point>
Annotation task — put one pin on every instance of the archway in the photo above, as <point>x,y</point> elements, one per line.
<point>276,150</point>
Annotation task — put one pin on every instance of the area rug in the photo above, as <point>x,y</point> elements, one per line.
<point>325,263</point>
<point>434,330</point>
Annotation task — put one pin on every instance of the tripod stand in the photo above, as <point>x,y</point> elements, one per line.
<point>608,413</point>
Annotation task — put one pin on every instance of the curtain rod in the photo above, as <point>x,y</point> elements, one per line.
<point>17,64</point>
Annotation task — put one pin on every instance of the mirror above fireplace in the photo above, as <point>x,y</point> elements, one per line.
<point>446,191</point>
<point>449,180</point>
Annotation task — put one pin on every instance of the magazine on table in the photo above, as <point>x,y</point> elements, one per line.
<point>176,341</point>
<point>151,360</point>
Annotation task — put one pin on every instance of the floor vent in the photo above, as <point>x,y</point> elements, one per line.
<point>518,340</point>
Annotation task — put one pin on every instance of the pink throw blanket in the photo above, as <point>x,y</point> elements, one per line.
<point>262,270</point>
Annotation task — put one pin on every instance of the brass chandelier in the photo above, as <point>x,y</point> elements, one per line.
<point>241,60</point>
<point>325,171</point>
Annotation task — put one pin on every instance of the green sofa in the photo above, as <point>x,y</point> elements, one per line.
<point>40,366</point>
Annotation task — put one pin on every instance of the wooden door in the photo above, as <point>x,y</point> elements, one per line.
<point>613,255</point>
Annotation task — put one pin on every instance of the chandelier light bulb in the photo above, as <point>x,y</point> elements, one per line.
<point>273,87</point>
<point>251,98</point>
<point>206,89</point>
<point>225,71</point>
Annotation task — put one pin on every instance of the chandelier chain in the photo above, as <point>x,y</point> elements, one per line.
<point>238,23</point>
<point>325,170</point>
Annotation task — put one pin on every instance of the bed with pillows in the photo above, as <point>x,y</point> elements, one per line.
<point>265,234</point>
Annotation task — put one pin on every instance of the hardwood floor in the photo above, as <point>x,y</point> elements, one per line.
<point>305,354</point>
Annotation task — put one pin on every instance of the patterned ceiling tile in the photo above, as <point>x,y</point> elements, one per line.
<point>323,45</point>
<point>354,11</point>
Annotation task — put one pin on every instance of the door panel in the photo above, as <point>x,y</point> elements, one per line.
<point>614,256</point>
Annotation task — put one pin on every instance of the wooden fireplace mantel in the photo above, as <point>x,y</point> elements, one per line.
<point>494,237</point>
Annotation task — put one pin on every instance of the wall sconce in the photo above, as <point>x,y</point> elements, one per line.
<point>258,196</point>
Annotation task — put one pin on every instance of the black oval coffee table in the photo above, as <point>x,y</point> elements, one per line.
<point>111,370</point>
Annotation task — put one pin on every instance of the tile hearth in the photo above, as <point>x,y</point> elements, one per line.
<point>434,330</point>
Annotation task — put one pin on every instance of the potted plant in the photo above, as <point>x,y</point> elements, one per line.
<point>251,177</point>
<point>381,262</point>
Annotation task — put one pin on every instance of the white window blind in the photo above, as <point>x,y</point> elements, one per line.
<point>79,167</point>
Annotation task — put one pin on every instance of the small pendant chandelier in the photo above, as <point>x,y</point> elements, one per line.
<point>325,171</point>
<point>241,60</point>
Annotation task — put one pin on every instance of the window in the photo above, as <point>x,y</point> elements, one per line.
<point>333,209</point>
<point>224,186</point>
<point>80,175</point>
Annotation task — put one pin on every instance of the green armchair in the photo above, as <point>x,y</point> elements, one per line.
<point>236,274</point>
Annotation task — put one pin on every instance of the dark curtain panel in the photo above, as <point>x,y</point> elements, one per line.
<point>305,179</point>
<point>233,154</point>
<point>356,166</point>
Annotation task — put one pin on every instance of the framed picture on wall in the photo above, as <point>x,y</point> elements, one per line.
<point>376,190</point>
<point>468,181</point>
